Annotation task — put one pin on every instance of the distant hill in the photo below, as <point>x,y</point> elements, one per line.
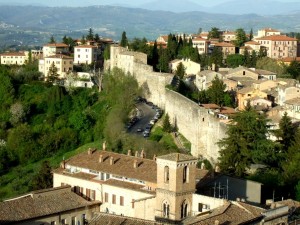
<point>112,20</point>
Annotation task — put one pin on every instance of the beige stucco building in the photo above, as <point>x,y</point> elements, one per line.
<point>201,44</point>
<point>279,46</point>
<point>55,48</point>
<point>229,36</point>
<point>227,48</point>
<point>190,66</point>
<point>267,32</point>
<point>14,58</point>
<point>63,63</point>
<point>86,54</point>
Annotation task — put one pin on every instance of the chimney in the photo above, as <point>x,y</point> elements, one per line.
<point>177,157</point>
<point>129,152</point>
<point>111,160</point>
<point>63,164</point>
<point>154,157</point>
<point>135,164</point>
<point>104,146</point>
<point>136,153</point>
<point>142,153</point>
<point>202,166</point>
<point>100,158</point>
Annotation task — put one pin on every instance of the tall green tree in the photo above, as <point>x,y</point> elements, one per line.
<point>216,92</point>
<point>214,33</point>
<point>251,35</point>
<point>52,75</point>
<point>246,143</point>
<point>241,37</point>
<point>286,132</point>
<point>43,178</point>
<point>124,40</point>
<point>90,35</point>
<point>106,53</point>
<point>163,61</point>
<point>216,57</point>
<point>294,69</point>
<point>235,60</point>
<point>166,124</point>
<point>180,70</point>
<point>52,40</point>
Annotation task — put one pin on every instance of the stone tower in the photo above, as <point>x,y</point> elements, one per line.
<point>175,187</point>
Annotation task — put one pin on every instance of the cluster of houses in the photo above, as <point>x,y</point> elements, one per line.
<point>277,45</point>
<point>102,187</point>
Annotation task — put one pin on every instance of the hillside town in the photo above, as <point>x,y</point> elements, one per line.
<point>99,186</point>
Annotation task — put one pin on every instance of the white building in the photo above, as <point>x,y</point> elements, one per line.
<point>55,48</point>
<point>14,58</point>
<point>86,54</point>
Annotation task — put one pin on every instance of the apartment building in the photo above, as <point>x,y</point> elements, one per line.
<point>279,46</point>
<point>226,48</point>
<point>201,44</point>
<point>63,63</point>
<point>14,58</point>
<point>55,48</point>
<point>86,54</point>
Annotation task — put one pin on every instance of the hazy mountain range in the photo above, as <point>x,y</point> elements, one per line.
<point>34,24</point>
<point>261,7</point>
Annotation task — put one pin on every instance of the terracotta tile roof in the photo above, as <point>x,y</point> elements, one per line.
<point>85,46</point>
<point>293,101</point>
<point>227,110</point>
<point>210,106</point>
<point>177,157</point>
<point>277,38</point>
<point>245,90</point>
<point>227,214</point>
<point>292,204</point>
<point>251,43</point>
<point>57,45</point>
<point>268,29</point>
<point>111,219</point>
<point>290,59</point>
<point>199,39</point>
<point>127,185</point>
<point>123,164</point>
<point>264,72</point>
<point>61,56</point>
<point>224,44</point>
<point>41,203</point>
<point>13,54</point>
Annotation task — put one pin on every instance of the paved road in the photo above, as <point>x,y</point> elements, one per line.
<point>145,114</point>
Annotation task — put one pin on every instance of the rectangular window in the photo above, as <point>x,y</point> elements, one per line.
<point>113,199</point>
<point>132,203</point>
<point>93,194</point>
<point>73,220</point>
<point>106,197</point>
<point>121,200</point>
<point>88,193</point>
<point>53,223</point>
<point>63,221</point>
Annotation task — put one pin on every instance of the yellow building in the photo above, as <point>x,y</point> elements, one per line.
<point>63,63</point>
<point>14,58</point>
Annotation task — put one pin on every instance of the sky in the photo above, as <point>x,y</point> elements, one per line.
<point>135,3</point>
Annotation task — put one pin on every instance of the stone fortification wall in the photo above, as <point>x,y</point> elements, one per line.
<point>202,129</point>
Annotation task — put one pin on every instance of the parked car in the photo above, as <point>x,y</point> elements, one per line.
<point>139,129</point>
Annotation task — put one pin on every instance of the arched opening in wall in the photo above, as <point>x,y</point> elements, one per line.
<point>185,178</point>
<point>166,209</point>
<point>166,174</point>
<point>184,209</point>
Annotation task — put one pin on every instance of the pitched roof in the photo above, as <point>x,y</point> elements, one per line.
<point>112,219</point>
<point>57,45</point>
<point>245,90</point>
<point>123,164</point>
<point>224,44</point>
<point>85,46</point>
<point>251,43</point>
<point>59,56</point>
<point>290,59</point>
<point>277,38</point>
<point>41,203</point>
<point>268,29</point>
<point>210,106</point>
<point>293,101</point>
<point>229,213</point>
<point>13,54</point>
<point>199,39</point>
<point>177,157</point>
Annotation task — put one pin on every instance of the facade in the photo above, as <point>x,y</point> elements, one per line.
<point>190,66</point>
<point>86,54</point>
<point>242,72</point>
<point>63,63</point>
<point>229,36</point>
<point>249,94</point>
<point>49,206</point>
<point>267,32</point>
<point>279,46</point>
<point>201,44</point>
<point>54,49</point>
<point>14,58</point>
<point>227,48</point>
<point>204,78</point>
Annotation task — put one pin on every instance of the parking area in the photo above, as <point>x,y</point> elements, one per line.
<point>147,115</point>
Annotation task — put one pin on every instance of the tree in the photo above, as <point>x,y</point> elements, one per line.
<point>166,124</point>
<point>286,132</point>
<point>124,41</point>
<point>97,38</point>
<point>216,92</point>
<point>90,35</point>
<point>269,64</point>
<point>18,113</point>
<point>294,69</point>
<point>180,70</point>
<point>83,40</point>
<point>241,37</point>
<point>106,53</point>
<point>214,33</point>
<point>246,143</point>
<point>216,57</point>
<point>235,60</point>
<point>163,61</point>
<point>52,40</point>
<point>43,178</point>
<point>251,35</point>
<point>52,73</point>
